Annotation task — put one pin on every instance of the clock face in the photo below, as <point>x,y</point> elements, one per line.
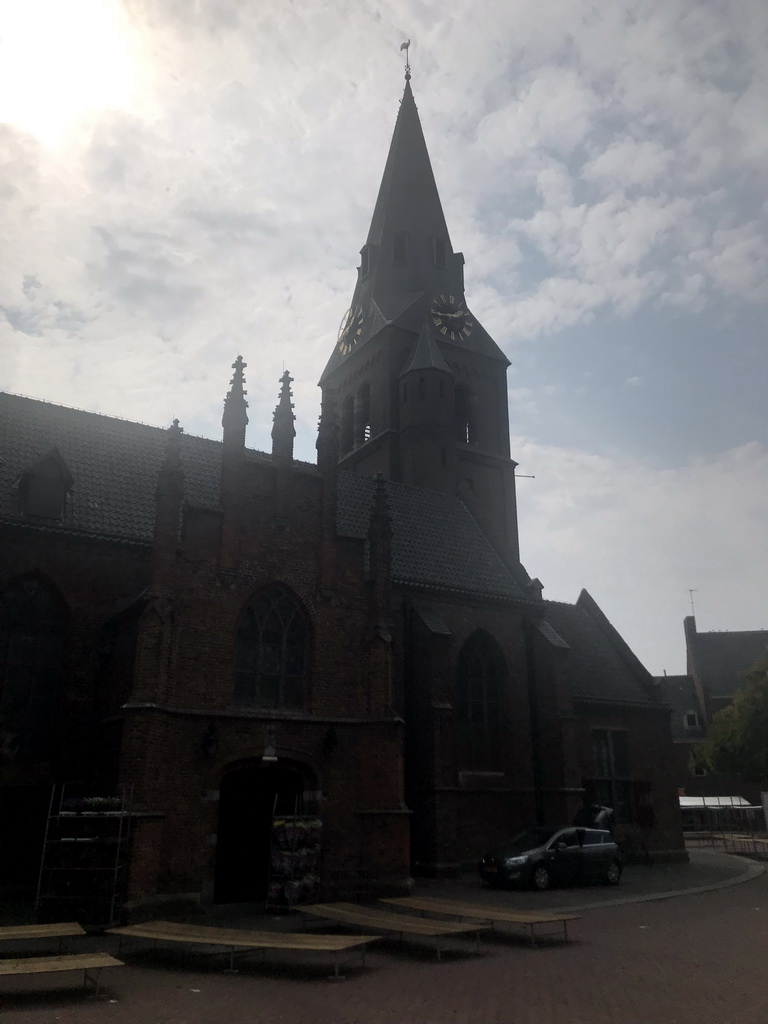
<point>350,330</point>
<point>451,317</point>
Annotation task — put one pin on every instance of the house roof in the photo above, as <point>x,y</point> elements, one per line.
<point>601,666</point>
<point>680,694</point>
<point>720,660</point>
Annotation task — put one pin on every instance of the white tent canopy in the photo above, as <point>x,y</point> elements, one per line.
<point>714,801</point>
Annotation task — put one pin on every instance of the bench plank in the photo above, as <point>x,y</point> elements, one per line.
<point>480,910</point>
<point>53,964</point>
<point>483,912</point>
<point>351,913</point>
<point>172,931</point>
<point>40,931</point>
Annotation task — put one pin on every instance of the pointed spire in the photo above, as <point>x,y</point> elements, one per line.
<point>408,199</point>
<point>235,418</point>
<point>283,428</point>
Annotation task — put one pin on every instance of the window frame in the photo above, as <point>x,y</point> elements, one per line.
<point>480,702</point>
<point>263,653</point>
<point>616,783</point>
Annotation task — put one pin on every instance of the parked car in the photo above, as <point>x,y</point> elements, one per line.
<point>541,857</point>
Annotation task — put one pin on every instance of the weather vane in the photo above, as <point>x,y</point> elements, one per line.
<point>405,46</point>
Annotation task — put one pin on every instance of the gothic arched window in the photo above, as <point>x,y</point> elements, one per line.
<point>272,651</point>
<point>33,631</point>
<point>481,672</point>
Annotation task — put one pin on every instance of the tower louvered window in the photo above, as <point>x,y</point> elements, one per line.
<point>348,424</point>
<point>465,415</point>
<point>272,651</point>
<point>481,672</point>
<point>363,426</point>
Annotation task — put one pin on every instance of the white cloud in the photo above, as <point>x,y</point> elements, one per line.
<point>595,161</point>
<point>638,536</point>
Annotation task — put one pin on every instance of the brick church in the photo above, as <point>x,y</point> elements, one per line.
<point>236,635</point>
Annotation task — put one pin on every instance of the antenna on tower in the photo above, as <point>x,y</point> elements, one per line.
<point>693,607</point>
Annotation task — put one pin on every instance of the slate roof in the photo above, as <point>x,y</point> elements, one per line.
<point>601,666</point>
<point>720,660</point>
<point>114,464</point>
<point>436,542</point>
<point>680,693</point>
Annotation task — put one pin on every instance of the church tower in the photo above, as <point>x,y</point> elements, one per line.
<point>420,385</point>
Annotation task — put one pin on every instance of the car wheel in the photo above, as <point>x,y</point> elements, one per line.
<point>612,875</point>
<point>540,878</point>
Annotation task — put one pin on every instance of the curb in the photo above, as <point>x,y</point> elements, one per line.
<point>754,870</point>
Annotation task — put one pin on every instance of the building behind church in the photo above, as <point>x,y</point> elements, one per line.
<point>240,637</point>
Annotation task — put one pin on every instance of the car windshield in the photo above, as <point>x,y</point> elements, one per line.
<point>531,838</point>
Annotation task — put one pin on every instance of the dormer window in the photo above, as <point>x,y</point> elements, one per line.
<point>43,488</point>
<point>365,261</point>
<point>691,720</point>
<point>400,247</point>
<point>440,253</point>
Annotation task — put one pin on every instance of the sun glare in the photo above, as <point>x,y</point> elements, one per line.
<point>62,60</point>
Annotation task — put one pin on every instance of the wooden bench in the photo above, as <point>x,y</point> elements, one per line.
<point>381,920</point>
<point>241,940</point>
<point>85,962</point>
<point>482,912</point>
<point>58,930</point>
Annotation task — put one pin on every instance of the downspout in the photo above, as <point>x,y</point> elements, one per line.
<point>533,706</point>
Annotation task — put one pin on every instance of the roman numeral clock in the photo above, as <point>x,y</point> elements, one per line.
<point>451,317</point>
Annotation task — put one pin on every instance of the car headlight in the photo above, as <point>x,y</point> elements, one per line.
<point>515,862</point>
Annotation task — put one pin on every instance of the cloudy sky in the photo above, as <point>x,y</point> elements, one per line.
<point>183,180</point>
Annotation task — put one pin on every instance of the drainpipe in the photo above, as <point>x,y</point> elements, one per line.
<point>533,705</point>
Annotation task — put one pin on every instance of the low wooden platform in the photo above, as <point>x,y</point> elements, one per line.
<point>482,912</point>
<point>85,962</point>
<point>241,940</point>
<point>40,931</point>
<point>400,924</point>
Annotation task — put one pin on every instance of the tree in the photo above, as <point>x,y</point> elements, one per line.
<point>737,740</point>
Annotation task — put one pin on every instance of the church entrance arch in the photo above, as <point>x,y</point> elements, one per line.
<point>249,796</point>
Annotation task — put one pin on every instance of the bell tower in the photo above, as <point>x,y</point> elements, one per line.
<point>420,385</point>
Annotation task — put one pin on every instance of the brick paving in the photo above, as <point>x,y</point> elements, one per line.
<point>692,959</point>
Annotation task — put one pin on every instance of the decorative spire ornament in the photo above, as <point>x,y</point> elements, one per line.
<point>283,427</point>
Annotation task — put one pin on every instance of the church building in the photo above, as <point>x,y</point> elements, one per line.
<point>255,648</point>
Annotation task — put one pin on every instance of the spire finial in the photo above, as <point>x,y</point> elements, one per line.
<point>283,428</point>
<point>235,417</point>
<point>405,46</point>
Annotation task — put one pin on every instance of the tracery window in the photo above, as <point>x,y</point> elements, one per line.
<point>272,651</point>
<point>481,672</point>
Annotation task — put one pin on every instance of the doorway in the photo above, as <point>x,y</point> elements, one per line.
<point>248,798</point>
